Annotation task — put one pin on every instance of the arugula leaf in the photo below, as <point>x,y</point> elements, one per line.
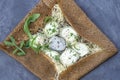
<point>14,52</point>
<point>27,44</point>
<point>45,46</point>
<point>21,45</point>
<point>13,43</point>
<point>30,19</point>
<point>20,54</point>
<point>8,43</point>
<point>12,40</point>
<point>19,49</point>
<point>48,19</point>
<point>37,49</point>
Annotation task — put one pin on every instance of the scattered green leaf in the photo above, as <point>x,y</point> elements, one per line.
<point>13,43</point>
<point>12,40</point>
<point>20,54</point>
<point>15,51</point>
<point>47,19</point>
<point>21,45</point>
<point>27,44</point>
<point>8,43</point>
<point>30,19</point>
<point>37,49</point>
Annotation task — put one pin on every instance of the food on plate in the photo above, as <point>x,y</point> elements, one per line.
<point>57,43</point>
<point>51,29</point>
<point>69,57</point>
<point>81,48</point>
<point>65,43</point>
<point>58,40</point>
<point>69,34</point>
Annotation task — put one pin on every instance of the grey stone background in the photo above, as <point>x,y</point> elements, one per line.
<point>104,13</point>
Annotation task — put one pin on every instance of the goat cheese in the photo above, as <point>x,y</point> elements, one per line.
<point>57,43</point>
<point>51,29</point>
<point>81,48</point>
<point>68,34</point>
<point>69,57</point>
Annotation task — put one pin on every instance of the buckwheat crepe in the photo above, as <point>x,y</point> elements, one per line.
<point>75,44</point>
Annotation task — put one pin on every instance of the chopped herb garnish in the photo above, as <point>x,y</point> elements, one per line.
<point>77,38</point>
<point>50,29</point>
<point>69,45</point>
<point>71,34</point>
<point>45,46</point>
<point>57,57</point>
<point>54,25</point>
<point>12,42</point>
<point>75,55</point>
<point>53,30</point>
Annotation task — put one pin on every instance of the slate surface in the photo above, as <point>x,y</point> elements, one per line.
<point>104,13</point>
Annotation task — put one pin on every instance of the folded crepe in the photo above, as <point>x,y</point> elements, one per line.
<point>94,46</point>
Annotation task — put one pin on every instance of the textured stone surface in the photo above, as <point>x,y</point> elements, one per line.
<point>104,13</point>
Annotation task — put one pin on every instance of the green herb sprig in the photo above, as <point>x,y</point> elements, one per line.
<point>57,58</point>
<point>29,43</point>
<point>18,49</point>
<point>30,19</point>
<point>48,19</point>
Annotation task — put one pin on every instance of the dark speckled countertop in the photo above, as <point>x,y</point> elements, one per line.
<point>104,13</point>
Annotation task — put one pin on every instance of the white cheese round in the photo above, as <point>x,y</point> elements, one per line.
<point>69,57</point>
<point>81,48</point>
<point>69,34</point>
<point>51,29</point>
<point>57,43</point>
